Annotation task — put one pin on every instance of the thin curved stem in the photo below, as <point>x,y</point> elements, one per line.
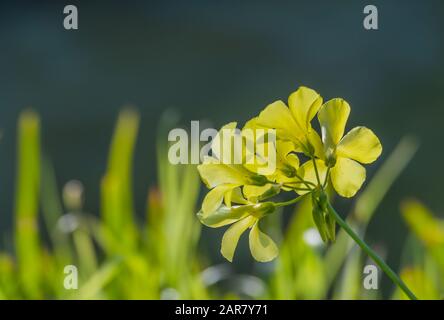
<point>307,183</point>
<point>270,182</point>
<point>390,273</point>
<point>296,188</point>
<point>290,202</point>
<point>316,171</point>
<point>290,184</point>
<point>326,178</point>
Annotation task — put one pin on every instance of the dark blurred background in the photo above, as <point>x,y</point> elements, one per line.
<point>219,62</point>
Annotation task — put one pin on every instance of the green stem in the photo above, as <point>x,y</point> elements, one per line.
<point>307,183</point>
<point>326,177</point>
<point>296,188</point>
<point>290,202</point>
<point>316,171</point>
<point>390,273</point>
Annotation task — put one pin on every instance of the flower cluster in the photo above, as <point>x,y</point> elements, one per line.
<point>240,192</point>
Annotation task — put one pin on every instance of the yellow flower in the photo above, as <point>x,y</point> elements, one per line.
<point>275,167</point>
<point>345,153</point>
<point>242,217</point>
<point>293,123</point>
<point>286,162</point>
<point>221,176</point>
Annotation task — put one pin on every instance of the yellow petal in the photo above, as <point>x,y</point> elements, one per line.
<point>264,159</point>
<point>307,172</point>
<point>262,247</point>
<point>333,116</point>
<point>293,160</point>
<point>304,103</point>
<point>216,174</point>
<point>285,154</point>
<point>347,177</point>
<point>237,197</point>
<point>227,198</point>
<point>360,144</point>
<point>227,144</point>
<point>316,143</point>
<point>287,162</point>
<point>278,116</point>
<point>214,197</point>
<point>253,193</point>
<point>254,134</point>
<point>232,235</point>
<point>225,215</point>
<point>281,178</point>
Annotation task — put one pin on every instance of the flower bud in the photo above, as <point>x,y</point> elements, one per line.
<point>318,218</point>
<point>258,180</point>
<point>288,171</point>
<point>308,149</point>
<point>263,208</point>
<point>331,227</point>
<point>224,215</point>
<point>322,196</point>
<point>324,222</point>
<point>330,157</point>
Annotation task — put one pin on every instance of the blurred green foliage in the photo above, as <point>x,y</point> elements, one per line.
<point>120,257</point>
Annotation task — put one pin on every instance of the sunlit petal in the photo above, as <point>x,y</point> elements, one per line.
<point>232,235</point>
<point>216,174</point>
<point>235,196</point>
<point>253,193</point>
<point>347,176</point>
<point>304,103</point>
<point>214,197</point>
<point>262,247</point>
<point>224,215</point>
<point>278,116</point>
<point>217,142</point>
<point>360,144</point>
<point>285,154</point>
<point>333,116</point>
<point>316,142</point>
